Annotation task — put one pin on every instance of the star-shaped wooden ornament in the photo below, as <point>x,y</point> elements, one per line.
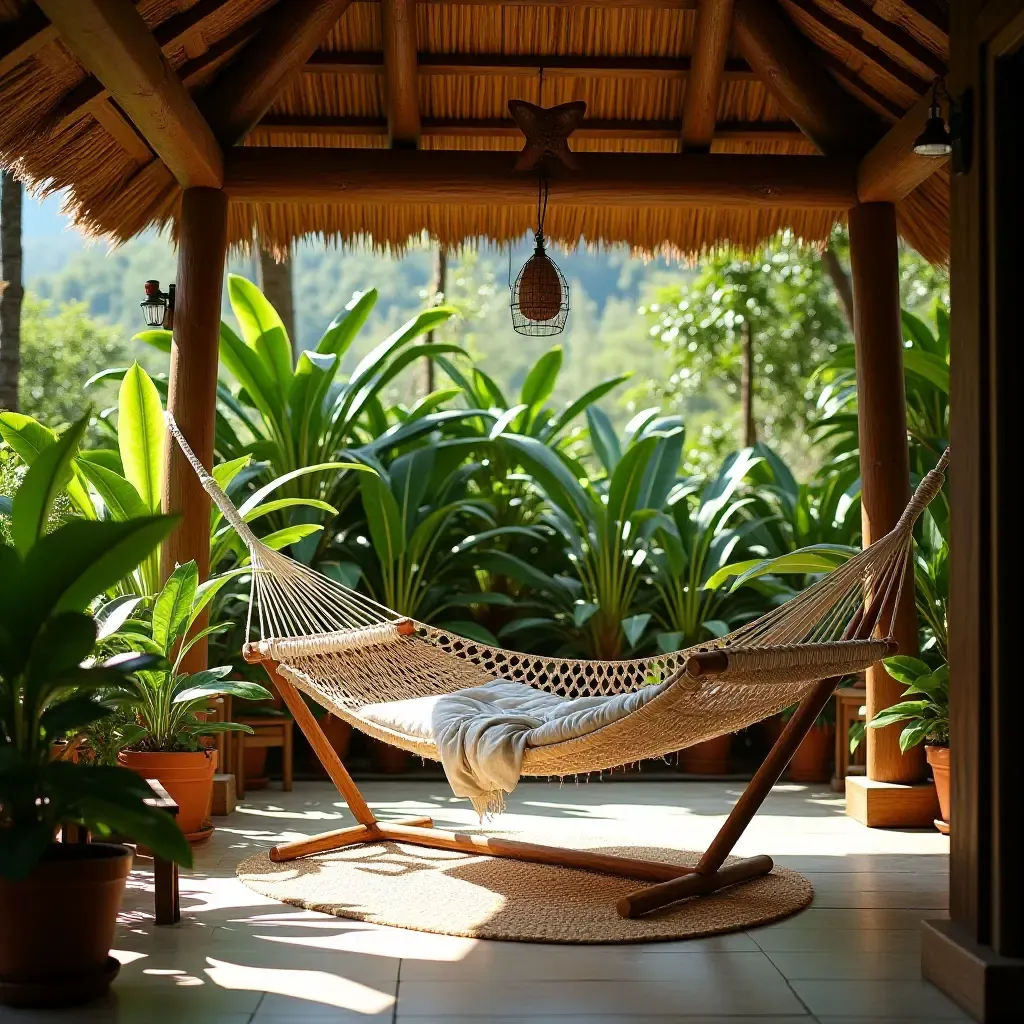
<point>547,131</point>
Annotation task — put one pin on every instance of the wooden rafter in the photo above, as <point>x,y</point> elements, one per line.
<point>899,37</point>
<point>254,174</point>
<point>527,65</point>
<point>398,25</point>
<point>23,38</point>
<point>707,68</point>
<point>871,97</point>
<point>868,51</point>
<point>110,38</point>
<point>892,170</point>
<point>484,127</point>
<point>169,35</point>
<point>788,64</point>
<point>246,90</point>
<point>664,5</point>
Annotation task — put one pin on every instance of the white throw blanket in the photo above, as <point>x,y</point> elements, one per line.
<point>482,733</point>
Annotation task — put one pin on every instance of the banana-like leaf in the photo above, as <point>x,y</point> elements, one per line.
<point>289,535</point>
<point>158,339</point>
<point>47,477</point>
<point>540,383</point>
<point>819,558</point>
<point>346,325</point>
<point>257,497</point>
<point>384,517</point>
<point>557,480</point>
<point>634,627</point>
<point>603,439</point>
<point>626,480</point>
<point>140,435</point>
<point>262,329</point>
<point>573,409</point>
<point>122,500</point>
<point>173,605</point>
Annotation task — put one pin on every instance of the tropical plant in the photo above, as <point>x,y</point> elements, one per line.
<point>171,706</point>
<point>607,526</point>
<point>126,482</point>
<point>297,418</point>
<point>706,525</point>
<point>415,543</point>
<point>50,682</point>
<point>927,716</point>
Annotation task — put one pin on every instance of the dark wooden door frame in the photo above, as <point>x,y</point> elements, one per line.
<point>978,956</point>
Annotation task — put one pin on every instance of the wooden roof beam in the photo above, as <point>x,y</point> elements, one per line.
<point>245,91</point>
<point>401,96</point>
<point>707,68</point>
<point>624,180</point>
<point>864,13</point>
<point>110,38</point>
<point>526,65</point>
<point>846,32</point>
<point>892,170</point>
<point>484,127</point>
<point>24,38</point>
<point>169,35</point>
<point>788,64</point>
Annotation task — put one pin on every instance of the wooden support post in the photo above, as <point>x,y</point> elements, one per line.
<point>192,392</point>
<point>885,473</point>
<point>707,69</point>
<point>398,23</point>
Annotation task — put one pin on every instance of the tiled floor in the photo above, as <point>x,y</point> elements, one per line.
<point>238,958</point>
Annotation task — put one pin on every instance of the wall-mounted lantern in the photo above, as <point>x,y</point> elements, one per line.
<point>158,306</point>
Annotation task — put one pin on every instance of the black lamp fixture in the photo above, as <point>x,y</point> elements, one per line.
<point>158,306</point>
<point>935,140</point>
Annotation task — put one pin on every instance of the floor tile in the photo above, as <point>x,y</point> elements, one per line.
<point>846,965</point>
<point>692,997</point>
<point>604,1019</point>
<point>809,940</point>
<point>882,999</point>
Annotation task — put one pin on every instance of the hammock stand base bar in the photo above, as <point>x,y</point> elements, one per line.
<point>672,882</point>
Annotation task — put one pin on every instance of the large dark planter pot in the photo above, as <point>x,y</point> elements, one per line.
<point>187,777</point>
<point>57,926</point>
<point>712,757</point>
<point>389,760</point>
<point>812,761</point>
<point>938,759</point>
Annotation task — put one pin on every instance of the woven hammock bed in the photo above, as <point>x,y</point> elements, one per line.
<point>357,658</point>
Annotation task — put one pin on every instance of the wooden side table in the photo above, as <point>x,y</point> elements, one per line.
<point>267,731</point>
<point>849,701</point>
<point>165,872</point>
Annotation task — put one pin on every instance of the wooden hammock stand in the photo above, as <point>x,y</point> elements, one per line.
<point>672,882</point>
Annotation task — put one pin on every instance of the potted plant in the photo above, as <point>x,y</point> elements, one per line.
<point>59,902</point>
<point>812,759</point>
<point>171,706</point>
<point>926,716</point>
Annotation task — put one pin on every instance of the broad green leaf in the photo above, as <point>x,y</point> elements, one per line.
<point>289,535</point>
<point>472,631</point>
<point>716,627</point>
<point>82,559</point>
<point>48,475</point>
<point>140,435</point>
<point>582,612</point>
<point>669,643</point>
<point>410,474</point>
<point>933,369</point>
<point>268,507</point>
<point>122,500</point>
<point>384,518</point>
<point>540,381</point>
<point>208,590</point>
<point>634,627</point>
<point>904,669</point>
<point>347,324</point>
<point>26,436</point>
<point>262,329</point>
<point>558,482</point>
<point>108,458</point>
<point>173,605</point>
<point>114,614</point>
<point>227,471</point>
<point>819,558</point>
<point>248,369</point>
<point>626,480</point>
<point>603,438</point>
<point>257,497</point>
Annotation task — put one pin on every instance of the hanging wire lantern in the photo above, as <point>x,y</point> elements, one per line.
<point>540,296</point>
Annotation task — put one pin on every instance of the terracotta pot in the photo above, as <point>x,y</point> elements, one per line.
<point>708,758</point>
<point>938,758</point>
<point>812,761</point>
<point>187,777</point>
<point>57,926</point>
<point>389,760</point>
<point>254,764</point>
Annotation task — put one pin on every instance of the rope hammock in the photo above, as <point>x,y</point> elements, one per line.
<point>349,653</point>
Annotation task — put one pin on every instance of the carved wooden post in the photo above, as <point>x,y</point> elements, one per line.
<point>202,246</point>
<point>885,490</point>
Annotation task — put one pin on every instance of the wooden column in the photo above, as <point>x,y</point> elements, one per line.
<point>192,396</point>
<point>884,459</point>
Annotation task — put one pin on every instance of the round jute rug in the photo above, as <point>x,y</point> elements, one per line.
<point>497,898</point>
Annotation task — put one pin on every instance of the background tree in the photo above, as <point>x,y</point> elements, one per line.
<point>10,289</point>
<point>784,298</point>
<point>275,281</point>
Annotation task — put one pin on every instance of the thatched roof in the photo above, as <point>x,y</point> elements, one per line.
<point>629,59</point>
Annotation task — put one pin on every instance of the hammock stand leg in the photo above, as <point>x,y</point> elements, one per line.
<point>711,875</point>
<point>418,831</point>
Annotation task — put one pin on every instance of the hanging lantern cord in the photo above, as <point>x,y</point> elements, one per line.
<point>543,192</point>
